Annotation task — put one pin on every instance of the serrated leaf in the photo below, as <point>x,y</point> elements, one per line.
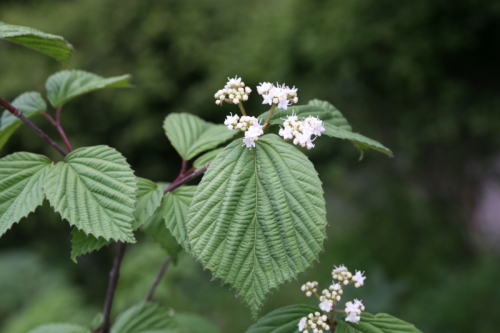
<point>337,119</point>
<point>65,85</point>
<point>300,110</point>
<point>155,228</point>
<point>382,323</point>
<point>21,178</point>
<point>362,142</point>
<point>144,317</point>
<point>149,198</point>
<point>94,189</point>
<point>258,217</point>
<point>83,243</point>
<point>30,104</point>
<point>52,45</point>
<point>282,320</point>
<point>175,207</point>
<point>60,328</point>
<point>201,161</point>
<point>191,135</point>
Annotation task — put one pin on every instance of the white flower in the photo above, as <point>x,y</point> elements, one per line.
<point>249,142</point>
<point>326,305</point>
<point>359,278</point>
<point>231,121</point>
<point>236,101</point>
<point>352,307</point>
<point>268,99</point>
<point>286,133</point>
<point>234,82</point>
<point>339,269</point>
<point>283,103</point>
<point>336,286</point>
<point>302,324</point>
<point>248,90</point>
<point>358,303</point>
<point>353,318</point>
<point>264,87</point>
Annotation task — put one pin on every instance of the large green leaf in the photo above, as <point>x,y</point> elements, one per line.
<point>52,45</point>
<point>191,135</point>
<point>30,104</point>
<point>83,243</point>
<point>380,323</point>
<point>362,142</point>
<point>65,85</point>
<point>94,189</point>
<point>60,328</point>
<point>175,208</point>
<point>148,199</point>
<point>201,161</point>
<point>144,317</point>
<point>337,118</point>
<point>258,217</point>
<point>21,179</point>
<point>193,323</point>
<point>282,320</point>
<point>301,111</point>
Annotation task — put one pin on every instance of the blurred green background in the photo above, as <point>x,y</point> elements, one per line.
<point>422,77</point>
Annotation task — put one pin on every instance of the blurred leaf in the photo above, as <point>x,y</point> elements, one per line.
<point>149,198</point>
<point>193,323</point>
<point>97,321</point>
<point>175,208</point>
<point>282,320</point>
<point>94,189</point>
<point>381,322</point>
<point>30,104</point>
<point>337,119</point>
<point>65,85</point>
<point>83,243</point>
<point>142,318</point>
<point>299,110</point>
<point>201,161</point>
<point>60,328</point>
<point>191,135</point>
<point>258,217</point>
<point>21,178</point>
<point>52,45</point>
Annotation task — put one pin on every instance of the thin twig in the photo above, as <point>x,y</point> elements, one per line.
<point>158,278</point>
<point>266,123</point>
<point>113,281</point>
<point>16,112</point>
<point>60,129</point>
<point>181,181</point>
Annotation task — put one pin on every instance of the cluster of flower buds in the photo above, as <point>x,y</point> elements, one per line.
<point>316,322</point>
<point>282,95</point>
<point>250,125</point>
<point>343,275</point>
<point>302,131</point>
<point>234,92</point>
<point>309,288</point>
<point>353,310</point>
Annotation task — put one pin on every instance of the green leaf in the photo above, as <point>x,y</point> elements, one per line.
<point>301,111</point>
<point>148,199</point>
<point>142,318</point>
<point>30,104</point>
<point>381,323</point>
<point>155,228</point>
<point>60,328</point>
<point>52,45</point>
<point>193,323</point>
<point>175,208</point>
<point>282,320</point>
<point>258,217</point>
<point>65,85</point>
<point>337,116</point>
<point>94,189</point>
<point>362,142</point>
<point>191,135</point>
<point>21,178</point>
<point>83,243</point>
<point>201,161</point>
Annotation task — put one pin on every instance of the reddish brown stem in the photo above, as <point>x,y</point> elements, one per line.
<point>158,278</point>
<point>60,129</point>
<point>185,179</point>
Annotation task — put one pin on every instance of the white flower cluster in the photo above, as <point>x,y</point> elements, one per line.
<point>316,322</point>
<point>234,91</point>
<point>282,95</point>
<point>302,130</point>
<point>353,311</point>
<point>250,125</point>
<point>309,288</point>
<point>329,299</point>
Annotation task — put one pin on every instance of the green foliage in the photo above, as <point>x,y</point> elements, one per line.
<point>258,217</point>
<point>21,178</point>
<point>30,104</point>
<point>149,198</point>
<point>83,243</point>
<point>337,118</point>
<point>54,46</point>
<point>201,161</point>
<point>67,84</point>
<point>193,323</point>
<point>191,135</point>
<point>175,208</point>
<point>60,328</point>
<point>94,189</point>
<point>142,318</point>
<point>381,322</point>
<point>282,320</point>
<point>300,111</point>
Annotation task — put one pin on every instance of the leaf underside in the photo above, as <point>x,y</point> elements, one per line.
<point>94,189</point>
<point>82,243</point>
<point>52,45</point>
<point>282,320</point>
<point>381,322</point>
<point>60,328</point>
<point>175,208</point>
<point>337,118</point>
<point>258,217</point>
<point>149,198</point>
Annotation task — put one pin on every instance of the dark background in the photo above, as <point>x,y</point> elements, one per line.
<point>419,76</point>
